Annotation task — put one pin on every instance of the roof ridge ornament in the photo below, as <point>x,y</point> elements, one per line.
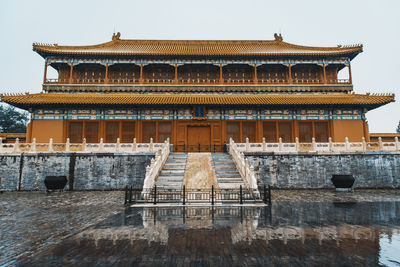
<point>116,37</point>
<point>278,37</point>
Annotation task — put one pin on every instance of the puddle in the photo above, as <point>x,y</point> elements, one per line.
<point>285,234</point>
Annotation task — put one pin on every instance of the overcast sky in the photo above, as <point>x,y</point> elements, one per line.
<point>375,24</point>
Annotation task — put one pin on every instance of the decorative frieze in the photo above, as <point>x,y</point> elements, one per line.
<point>187,114</point>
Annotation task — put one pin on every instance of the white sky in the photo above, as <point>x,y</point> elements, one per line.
<point>375,24</point>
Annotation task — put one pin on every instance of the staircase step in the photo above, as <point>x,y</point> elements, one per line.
<point>228,174</point>
<point>172,173</point>
<point>171,176</point>
<point>230,185</point>
<point>228,177</point>
<point>229,180</point>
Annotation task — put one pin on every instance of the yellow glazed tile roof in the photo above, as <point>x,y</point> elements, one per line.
<point>195,99</point>
<point>196,48</point>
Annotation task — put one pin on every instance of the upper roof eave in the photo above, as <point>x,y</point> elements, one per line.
<point>120,47</point>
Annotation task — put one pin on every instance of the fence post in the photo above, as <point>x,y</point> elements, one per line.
<point>151,144</point>
<point>397,144</point>
<point>364,144</point>
<point>330,144</point>
<point>265,194</point>
<point>297,144</point>
<point>155,195</point>
<point>280,145</point>
<point>50,149</point>
<point>117,145</point>
<point>212,195</point>
<point>247,144</point>
<point>126,195</point>
<point>16,145</point>
<point>264,146</point>
<point>313,144</point>
<point>84,145</point>
<point>33,147</point>
<point>184,193</point>
<point>269,194</point>
<point>346,140</point>
<point>380,144</point>
<point>241,197</point>
<point>134,144</point>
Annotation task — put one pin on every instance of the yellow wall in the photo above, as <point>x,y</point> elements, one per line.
<point>43,130</point>
<point>353,129</point>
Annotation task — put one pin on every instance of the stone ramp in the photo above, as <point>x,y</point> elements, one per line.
<point>199,172</point>
<point>171,176</point>
<point>228,177</point>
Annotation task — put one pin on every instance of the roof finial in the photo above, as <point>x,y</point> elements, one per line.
<point>278,37</point>
<point>116,36</point>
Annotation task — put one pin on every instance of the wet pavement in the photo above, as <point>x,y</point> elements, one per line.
<point>324,228</point>
<point>31,221</point>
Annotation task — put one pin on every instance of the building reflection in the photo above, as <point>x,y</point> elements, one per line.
<point>286,233</point>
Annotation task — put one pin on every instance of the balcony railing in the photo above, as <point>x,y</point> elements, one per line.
<point>194,81</point>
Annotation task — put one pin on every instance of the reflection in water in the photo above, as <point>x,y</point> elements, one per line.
<point>302,234</point>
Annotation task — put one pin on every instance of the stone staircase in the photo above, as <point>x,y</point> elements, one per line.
<point>228,177</point>
<point>171,176</point>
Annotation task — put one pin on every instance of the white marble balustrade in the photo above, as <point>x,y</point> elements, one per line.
<point>51,147</point>
<point>328,147</point>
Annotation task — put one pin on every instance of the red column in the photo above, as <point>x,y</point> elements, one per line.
<point>176,73</point>
<point>45,73</point>
<point>141,73</point>
<point>324,69</point>
<point>221,78</point>
<point>106,77</point>
<point>70,73</point>
<point>290,74</point>
<point>255,73</point>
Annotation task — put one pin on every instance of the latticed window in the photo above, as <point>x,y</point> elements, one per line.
<point>148,131</point>
<point>164,131</point>
<point>249,131</point>
<point>285,131</point>
<point>112,131</point>
<point>92,132</point>
<point>127,131</point>
<point>233,130</point>
<point>269,130</point>
<point>305,132</point>
<point>321,131</point>
<point>75,132</point>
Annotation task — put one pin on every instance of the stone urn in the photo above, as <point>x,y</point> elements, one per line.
<point>55,182</point>
<point>343,181</point>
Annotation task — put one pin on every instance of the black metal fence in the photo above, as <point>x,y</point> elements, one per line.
<point>212,196</point>
<point>200,148</point>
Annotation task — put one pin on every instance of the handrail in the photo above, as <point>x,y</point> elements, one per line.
<point>156,165</point>
<point>245,169</point>
<point>193,81</point>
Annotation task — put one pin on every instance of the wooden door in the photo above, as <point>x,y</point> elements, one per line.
<point>199,138</point>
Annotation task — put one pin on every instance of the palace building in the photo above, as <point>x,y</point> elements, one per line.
<point>197,93</point>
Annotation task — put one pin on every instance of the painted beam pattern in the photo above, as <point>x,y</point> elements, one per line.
<point>187,114</point>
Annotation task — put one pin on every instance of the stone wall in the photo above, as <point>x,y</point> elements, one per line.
<point>371,170</point>
<point>106,171</point>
